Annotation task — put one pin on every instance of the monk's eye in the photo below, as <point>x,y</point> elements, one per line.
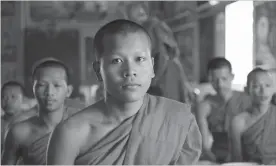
<point>141,59</point>
<point>116,61</point>
<point>58,85</point>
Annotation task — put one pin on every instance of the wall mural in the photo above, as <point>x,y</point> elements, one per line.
<point>185,40</point>
<point>81,11</point>
<point>10,30</point>
<point>265,34</point>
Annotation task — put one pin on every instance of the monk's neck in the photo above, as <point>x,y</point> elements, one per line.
<point>51,118</point>
<point>225,97</point>
<point>122,110</point>
<point>259,108</point>
<point>11,114</point>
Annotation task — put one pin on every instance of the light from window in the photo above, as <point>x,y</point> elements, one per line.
<point>239,40</point>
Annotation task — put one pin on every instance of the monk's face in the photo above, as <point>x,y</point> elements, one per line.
<point>221,79</point>
<point>126,66</point>
<point>261,88</point>
<point>51,89</point>
<point>11,99</point>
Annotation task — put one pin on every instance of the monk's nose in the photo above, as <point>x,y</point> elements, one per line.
<point>129,70</point>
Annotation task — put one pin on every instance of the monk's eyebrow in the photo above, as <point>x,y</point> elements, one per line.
<point>144,52</point>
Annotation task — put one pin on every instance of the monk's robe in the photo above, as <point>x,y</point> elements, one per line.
<point>259,140</point>
<point>220,118</point>
<point>163,131</point>
<point>35,152</point>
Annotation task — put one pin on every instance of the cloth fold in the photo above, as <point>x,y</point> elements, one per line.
<point>259,140</point>
<point>162,132</point>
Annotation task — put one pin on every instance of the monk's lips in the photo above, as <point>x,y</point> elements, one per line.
<point>131,86</point>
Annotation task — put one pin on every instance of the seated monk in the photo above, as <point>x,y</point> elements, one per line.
<point>12,98</point>
<point>128,126</point>
<point>215,112</point>
<point>253,131</point>
<point>27,140</point>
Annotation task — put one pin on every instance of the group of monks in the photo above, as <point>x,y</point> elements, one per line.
<point>238,126</point>
<point>130,126</point>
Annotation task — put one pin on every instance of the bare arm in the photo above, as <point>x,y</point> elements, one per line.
<point>237,127</point>
<point>64,144</point>
<point>11,151</point>
<point>202,113</point>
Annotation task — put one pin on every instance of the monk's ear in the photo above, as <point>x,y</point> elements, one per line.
<point>96,67</point>
<point>153,72</point>
<point>69,90</point>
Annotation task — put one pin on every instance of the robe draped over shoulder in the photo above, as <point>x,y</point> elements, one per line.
<point>259,140</point>
<point>163,131</point>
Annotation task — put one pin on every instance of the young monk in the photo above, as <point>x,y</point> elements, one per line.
<point>253,131</point>
<point>28,139</point>
<point>12,96</point>
<point>128,126</point>
<point>215,112</point>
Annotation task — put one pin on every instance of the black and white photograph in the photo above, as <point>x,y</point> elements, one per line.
<point>138,82</point>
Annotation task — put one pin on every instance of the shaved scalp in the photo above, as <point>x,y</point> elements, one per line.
<point>217,63</point>
<point>13,84</point>
<point>51,63</point>
<point>256,71</point>
<point>114,28</point>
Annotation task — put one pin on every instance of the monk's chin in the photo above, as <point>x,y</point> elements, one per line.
<point>130,98</point>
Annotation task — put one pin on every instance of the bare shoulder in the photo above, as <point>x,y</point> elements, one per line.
<point>20,131</point>
<point>81,121</point>
<point>239,122</point>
